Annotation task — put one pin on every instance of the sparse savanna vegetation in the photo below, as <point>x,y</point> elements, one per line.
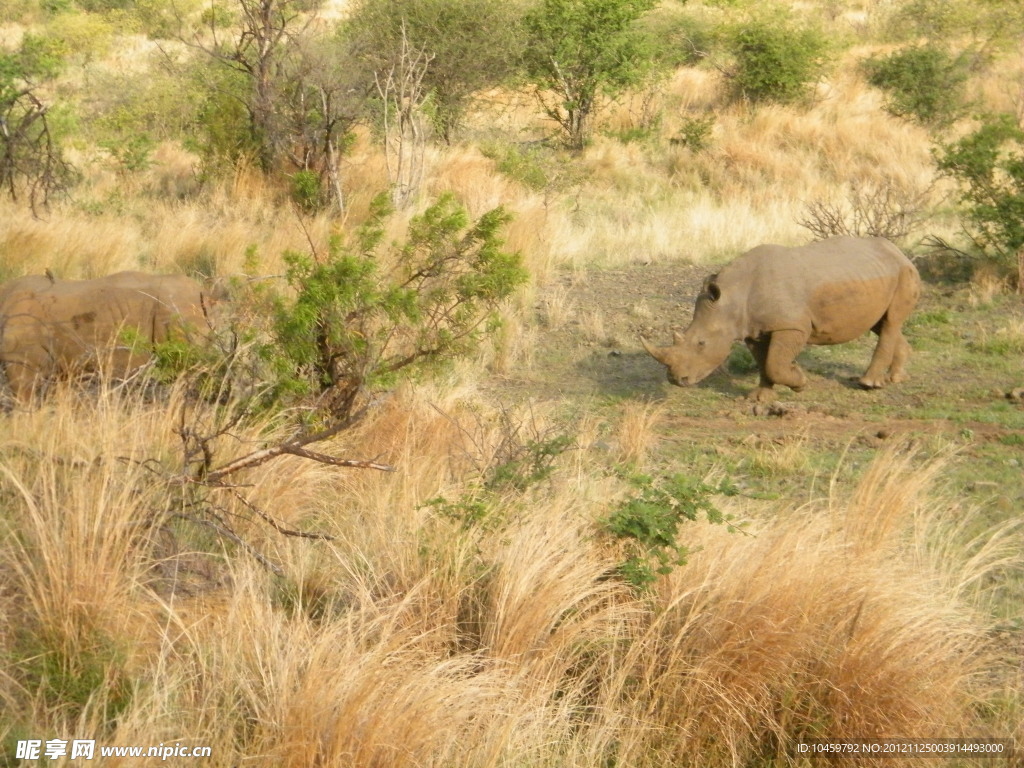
<point>422,500</point>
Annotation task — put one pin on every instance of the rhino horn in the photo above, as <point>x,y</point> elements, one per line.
<point>677,337</point>
<point>656,352</point>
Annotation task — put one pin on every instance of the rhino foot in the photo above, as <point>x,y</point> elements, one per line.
<point>871,383</point>
<point>762,395</point>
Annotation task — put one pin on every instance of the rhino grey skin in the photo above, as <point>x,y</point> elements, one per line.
<point>54,327</point>
<point>778,300</point>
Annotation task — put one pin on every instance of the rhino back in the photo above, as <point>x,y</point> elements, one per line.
<point>48,326</point>
<point>835,289</point>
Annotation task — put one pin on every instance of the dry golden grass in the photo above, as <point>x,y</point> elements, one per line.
<point>638,431</point>
<point>818,623</point>
<point>417,639</point>
<point>785,455</point>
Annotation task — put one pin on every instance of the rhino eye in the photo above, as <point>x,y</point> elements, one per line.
<point>701,343</point>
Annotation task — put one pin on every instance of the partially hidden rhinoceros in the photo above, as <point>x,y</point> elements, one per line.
<point>51,327</point>
<point>778,299</point>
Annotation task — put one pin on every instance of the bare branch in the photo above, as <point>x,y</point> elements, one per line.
<point>402,95</point>
<point>258,458</point>
<point>277,526</point>
<point>227,533</point>
<point>886,210</point>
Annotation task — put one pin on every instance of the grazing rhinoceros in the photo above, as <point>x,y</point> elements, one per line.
<point>779,299</point>
<point>52,327</point>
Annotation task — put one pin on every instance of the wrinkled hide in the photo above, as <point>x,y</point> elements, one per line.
<point>52,328</point>
<point>777,300</point>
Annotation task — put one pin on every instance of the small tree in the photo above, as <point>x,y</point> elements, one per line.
<point>989,165</point>
<point>256,49</point>
<point>280,90</point>
<point>471,45</point>
<point>363,313</point>
<point>577,50</point>
<point>402,97</point>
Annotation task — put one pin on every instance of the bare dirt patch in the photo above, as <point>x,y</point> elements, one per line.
<point>589,351</point>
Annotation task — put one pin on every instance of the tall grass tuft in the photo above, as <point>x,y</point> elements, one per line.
<point>826,622</point>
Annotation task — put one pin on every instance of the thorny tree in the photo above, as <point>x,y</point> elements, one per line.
<point>300,98</point>
<point>32,166</point>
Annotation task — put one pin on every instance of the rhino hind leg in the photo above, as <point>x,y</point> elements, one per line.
<point>899,359</point>
<point>892,351</point>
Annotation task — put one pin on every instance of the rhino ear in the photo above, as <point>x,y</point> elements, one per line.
<point>713,291</point>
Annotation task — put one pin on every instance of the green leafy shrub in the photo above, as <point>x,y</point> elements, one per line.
<point>649,520</point>
<point>923,82</point>
<point>223,131</point>
<point>82,37</point>
<point>42,57</point>
<point>989,165</point>
<point>307,191</point>
<point>524,459</point>
<point>695,133</point>
<point>132,153</point>
<point>993,24</point>
<point>527,165</point>
<point>361,314</point>
<point>216,15</point>
<point>776,60</point>
<point>677,36</point>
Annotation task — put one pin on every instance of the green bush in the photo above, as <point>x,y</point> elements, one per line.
<point>677,36</point>
<point>307,191</point>
<point>223,132</point>
<point>991,23</point>
<point>42,57</point>
<point>776,60</point>
<point>989,166</point>
<point>82,37</point>
<point>695,133</point>
<point>649,520</point>
<point>125,112</point>
<point>131,153</point>
<point>923,82</point>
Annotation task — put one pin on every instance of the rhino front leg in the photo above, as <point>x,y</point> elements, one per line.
<point>776,360</point>
<point>759,349</point>
<point>780,365</point>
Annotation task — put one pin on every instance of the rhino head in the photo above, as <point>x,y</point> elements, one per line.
<point>705,344</point>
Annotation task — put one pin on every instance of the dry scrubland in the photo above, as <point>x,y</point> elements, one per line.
<point>414,639</point>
